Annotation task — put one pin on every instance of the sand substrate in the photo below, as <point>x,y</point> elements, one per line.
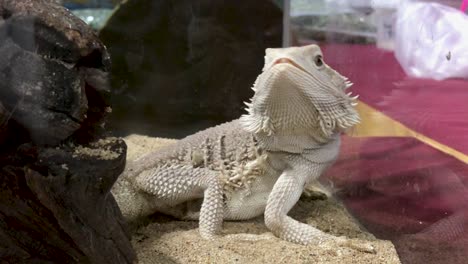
<point>167,240</point>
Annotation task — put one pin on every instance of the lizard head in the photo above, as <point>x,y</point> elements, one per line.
<point>297,93</point>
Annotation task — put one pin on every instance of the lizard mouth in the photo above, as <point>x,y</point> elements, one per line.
<point>288,61</point>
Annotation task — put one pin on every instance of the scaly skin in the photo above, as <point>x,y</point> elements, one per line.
<point>258,164</point>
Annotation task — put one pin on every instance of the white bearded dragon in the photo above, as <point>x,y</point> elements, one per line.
<point>258,164</point>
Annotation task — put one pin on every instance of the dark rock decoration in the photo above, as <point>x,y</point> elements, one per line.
<point>51,62</point>
<point>56,206</point>
<point>55,175</point>
<point>186,64</point>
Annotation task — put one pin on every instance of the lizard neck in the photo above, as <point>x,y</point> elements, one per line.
<point>294,143</point>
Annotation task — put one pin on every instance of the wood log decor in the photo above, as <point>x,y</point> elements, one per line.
<point>56,166</point>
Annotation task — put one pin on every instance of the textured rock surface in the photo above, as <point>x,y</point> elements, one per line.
<point>55,204</point>
<point>190,63</point>
<point>52,72</point>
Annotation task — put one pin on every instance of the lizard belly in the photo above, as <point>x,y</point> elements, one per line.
<point>250,202</point>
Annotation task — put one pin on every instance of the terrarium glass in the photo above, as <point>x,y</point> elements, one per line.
<point>90,88</point>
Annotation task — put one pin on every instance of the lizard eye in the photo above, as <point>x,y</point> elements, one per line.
<point>318,60</point>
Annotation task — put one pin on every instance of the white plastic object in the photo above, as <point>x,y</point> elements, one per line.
<point>431,40</point>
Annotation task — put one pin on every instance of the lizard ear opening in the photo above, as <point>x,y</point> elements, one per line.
<point>327,125</point>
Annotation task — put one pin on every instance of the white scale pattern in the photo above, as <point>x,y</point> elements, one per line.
<point>261,162</point>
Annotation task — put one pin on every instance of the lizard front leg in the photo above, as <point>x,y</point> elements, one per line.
<point>285,194</point>
<point>178,183</point>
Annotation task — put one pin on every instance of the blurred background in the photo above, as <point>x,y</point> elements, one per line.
<point>181,66</point>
